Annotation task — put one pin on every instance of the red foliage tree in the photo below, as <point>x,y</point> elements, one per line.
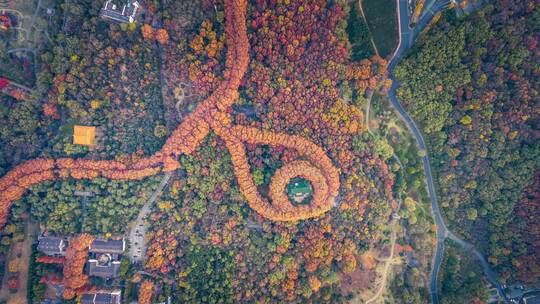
<point>50,260</point>
<point>145,292</point>
<point>76,255</point>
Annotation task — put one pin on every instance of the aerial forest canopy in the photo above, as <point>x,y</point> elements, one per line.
<point>473,86</point>
<point>209,114</point>
<point>298,113</point>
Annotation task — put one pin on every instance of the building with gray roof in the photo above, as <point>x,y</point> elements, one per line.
<point>102,297</point>
<point>121,13</point>
<point>104,260</point>
<point>52,246</point>
<point>108,246</point>
<point>103,266</point>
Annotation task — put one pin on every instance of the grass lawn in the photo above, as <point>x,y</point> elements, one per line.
<point>19,70</point>
<point>359,36</point>
<point>399,137</point>
<point>382,21</point>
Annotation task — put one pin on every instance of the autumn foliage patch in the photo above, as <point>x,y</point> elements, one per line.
<point>76,255</point>
<point>214,114</point>
<point>145,292</point>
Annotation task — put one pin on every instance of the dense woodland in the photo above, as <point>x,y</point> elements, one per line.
<point>95,74</point>
<point>108,209</point>
<point>203,222</point>
<point>305,84</point>
<point>472,84</point>
<point>461,278</point>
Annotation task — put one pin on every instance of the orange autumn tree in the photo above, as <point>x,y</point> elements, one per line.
<point>76,255</point>
<point>16,300</point>
<point>162,36</point>
<point>348,263</point>
<point>314,283</point>
<point>50,260</point>
<point>205,45</point>
<point>145,292</point>
<point>156,257</point>
<point>50,110</point>
<point>366,74</point>
<point>147,32</point>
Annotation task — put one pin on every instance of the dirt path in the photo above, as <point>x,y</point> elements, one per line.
<point>388,263</point>
<point>26,252</point>
<point>31,232</point>
<point>394,222</point>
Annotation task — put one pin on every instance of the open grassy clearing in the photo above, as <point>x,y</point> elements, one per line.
<point>416,224</point>
<point>359,34</point>
<point>394,130</point>
<point>382,22</point>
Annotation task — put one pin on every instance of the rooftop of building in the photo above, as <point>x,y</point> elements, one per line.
<point>107,271</point>
<point>124,12</point>
<point>84,135</point>
<point>108,246</point>
<point>102,297</point>
<point>52,244</point>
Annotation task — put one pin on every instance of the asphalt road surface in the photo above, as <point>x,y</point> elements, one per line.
<point>137,248</point>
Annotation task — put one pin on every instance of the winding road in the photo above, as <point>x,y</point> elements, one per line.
<point>407,36</point>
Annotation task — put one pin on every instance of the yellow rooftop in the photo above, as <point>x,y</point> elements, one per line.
<point>84,135</point>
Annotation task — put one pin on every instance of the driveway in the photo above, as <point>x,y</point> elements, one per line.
<point>137,241</point>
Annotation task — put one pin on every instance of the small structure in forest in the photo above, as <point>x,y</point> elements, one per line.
<point>52,246</point>
<point>125,13</point>
<point>299,191</point>
<point>84,135</point>
<point>102,297</point>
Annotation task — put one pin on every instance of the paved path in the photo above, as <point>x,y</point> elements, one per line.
<point>33,21</point>
<point>137,248</point>
<point>407,37</point>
